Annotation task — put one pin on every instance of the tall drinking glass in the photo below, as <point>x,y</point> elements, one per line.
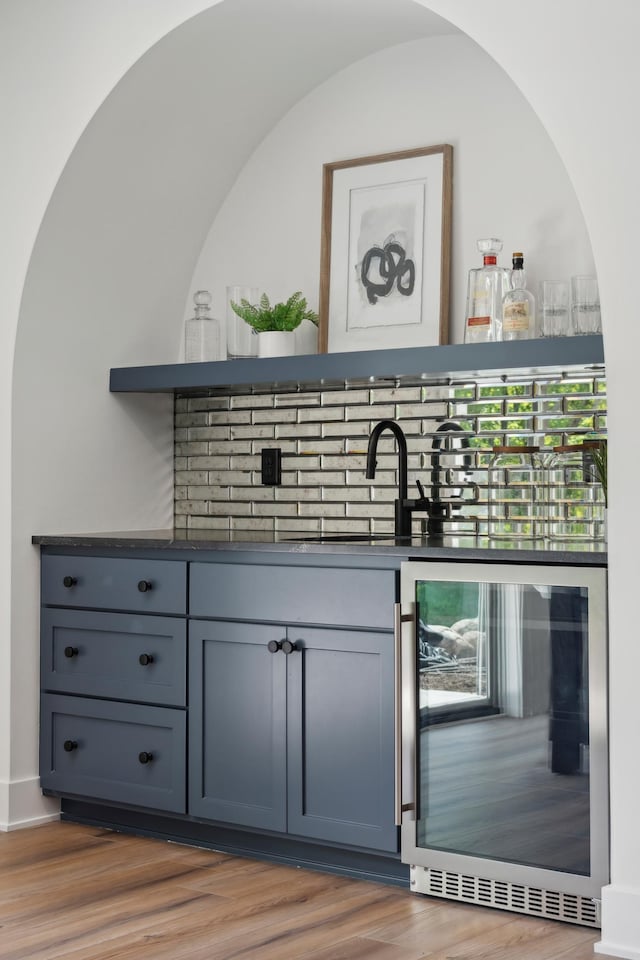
<point>585,305</point>
<point>241,341</point>
<point>554,300</point>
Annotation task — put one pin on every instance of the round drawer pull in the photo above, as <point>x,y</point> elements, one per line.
<point>70,652</point>
<point>274,645</point>
<point>145,659</point>
<point>69,582</point>
<point>145,757</point>
<point>144,586</point>
<point>289,646</point>
<point>70,745</point>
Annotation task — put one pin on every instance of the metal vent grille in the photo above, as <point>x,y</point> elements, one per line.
<point>506,896</point>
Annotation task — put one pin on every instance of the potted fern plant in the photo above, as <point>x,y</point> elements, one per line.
<point>275,323</point>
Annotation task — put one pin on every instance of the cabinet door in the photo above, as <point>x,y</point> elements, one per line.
<point>341,737</point>
<point>237,719</point>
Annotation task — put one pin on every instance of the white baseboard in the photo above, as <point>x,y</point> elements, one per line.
<point>620,922</point>
<point>23,805</point>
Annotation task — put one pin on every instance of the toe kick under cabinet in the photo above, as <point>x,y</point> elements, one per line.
<point>284,672</point>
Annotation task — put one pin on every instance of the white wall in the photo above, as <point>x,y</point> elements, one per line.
<point>576,63</point>
<point>509,181</point>
<point>57,64</point>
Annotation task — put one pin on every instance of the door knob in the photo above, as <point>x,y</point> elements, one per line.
<point>70,652</point>
<point>145,757</point>
<point>274,645</point>
<point>70,745</point>
<point>288,646</point>
<point>145,659</point>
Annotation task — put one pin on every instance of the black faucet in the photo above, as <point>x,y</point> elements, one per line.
<point>403,506</point>
<point>440,510</point>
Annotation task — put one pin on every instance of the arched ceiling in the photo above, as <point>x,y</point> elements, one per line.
<point>138,194</point>
<point>191,111</point>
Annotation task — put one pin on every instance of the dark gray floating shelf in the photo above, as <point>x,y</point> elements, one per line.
<point>405,365</point>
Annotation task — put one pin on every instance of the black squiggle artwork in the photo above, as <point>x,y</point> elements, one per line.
<point>393,267</point>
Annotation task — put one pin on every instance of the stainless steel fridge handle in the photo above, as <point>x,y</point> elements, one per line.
<point>400,808</point>
<point>397,723</point>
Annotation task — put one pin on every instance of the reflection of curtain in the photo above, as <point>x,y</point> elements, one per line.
<point>569,708</point>
<point>508,634</point>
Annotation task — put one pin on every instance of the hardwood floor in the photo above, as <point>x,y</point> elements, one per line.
<point>82,893</point>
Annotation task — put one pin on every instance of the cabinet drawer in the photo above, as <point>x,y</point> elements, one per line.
<point>118,655</point>
<point>112,583</point>
<point>324,595</point>
<point>114,751</point>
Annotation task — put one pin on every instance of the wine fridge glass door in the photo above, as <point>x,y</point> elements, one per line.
<point>509,722</point>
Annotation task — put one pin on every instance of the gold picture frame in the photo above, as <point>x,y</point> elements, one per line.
<point>385,256</point>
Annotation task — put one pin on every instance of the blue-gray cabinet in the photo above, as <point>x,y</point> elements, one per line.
<point>245,694</point>
<point>124,752</point>
<point>289,593</point>
<point>238,707</point>
<point>122,656</point>
<point>291,724</point>
<point>113,704</point>
<point>148,586</point>
<point>340,737</point>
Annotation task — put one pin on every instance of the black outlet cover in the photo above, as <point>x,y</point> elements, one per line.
<point>271,466</point>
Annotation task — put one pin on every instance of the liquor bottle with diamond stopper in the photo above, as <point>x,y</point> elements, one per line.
<point>486,289</point>
<point>518,305</point>
<point>202,332</point>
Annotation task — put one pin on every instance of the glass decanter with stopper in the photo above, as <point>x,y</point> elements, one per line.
<point>485,292</point>
<point>518,305</point>
<point>202,331</point>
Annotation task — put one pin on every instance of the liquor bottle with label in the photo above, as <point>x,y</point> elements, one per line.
<point>485,292</point>
<point>518,305</point>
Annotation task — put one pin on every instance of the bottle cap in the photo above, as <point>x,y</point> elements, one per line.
<point>490,245</point>
<point>202,298</point>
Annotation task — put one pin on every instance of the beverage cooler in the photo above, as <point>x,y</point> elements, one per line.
<point>502,773</point>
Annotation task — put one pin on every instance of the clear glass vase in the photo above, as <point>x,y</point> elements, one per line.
<point>241,340</point>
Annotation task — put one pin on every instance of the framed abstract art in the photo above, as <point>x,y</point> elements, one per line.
<point>385,250</point>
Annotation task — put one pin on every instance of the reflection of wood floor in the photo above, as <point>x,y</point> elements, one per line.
<point>81,893</point>
<point>492,794</point>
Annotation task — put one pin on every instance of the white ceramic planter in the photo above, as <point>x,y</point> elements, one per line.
<point>276,343</point>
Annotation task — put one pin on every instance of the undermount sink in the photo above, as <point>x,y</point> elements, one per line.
<point>343,538</point>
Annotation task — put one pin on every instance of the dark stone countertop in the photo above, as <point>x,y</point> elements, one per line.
<point>467,548</point>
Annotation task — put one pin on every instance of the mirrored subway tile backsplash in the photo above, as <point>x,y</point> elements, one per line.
<point>323,440</point>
